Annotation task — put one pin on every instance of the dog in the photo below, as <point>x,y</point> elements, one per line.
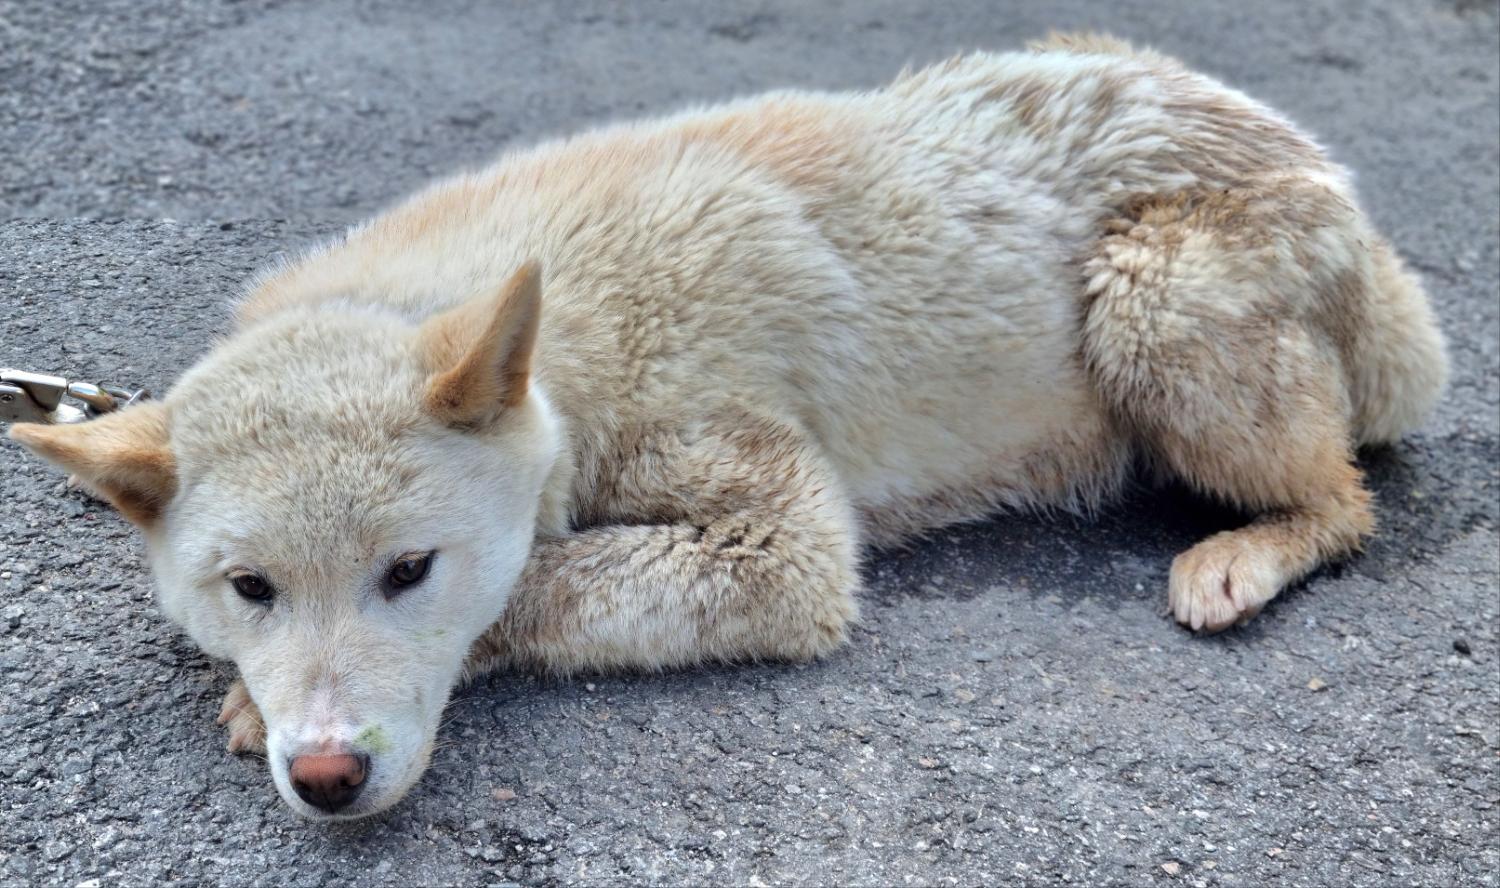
<point>639,398</point>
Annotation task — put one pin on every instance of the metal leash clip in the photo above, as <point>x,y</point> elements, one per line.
<point>37,397</point>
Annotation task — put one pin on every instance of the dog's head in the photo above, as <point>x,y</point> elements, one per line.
<point>339,501</point>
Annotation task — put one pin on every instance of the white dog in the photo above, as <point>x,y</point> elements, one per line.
<point>770,333</point>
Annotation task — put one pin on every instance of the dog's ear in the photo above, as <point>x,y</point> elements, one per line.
<point>480,353</point>
<point>124,457</point>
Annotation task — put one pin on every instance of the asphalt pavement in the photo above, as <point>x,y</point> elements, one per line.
<point>1016,706</point>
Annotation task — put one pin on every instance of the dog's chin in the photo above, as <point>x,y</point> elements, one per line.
<point>364,806</point>
<point>356,811</point>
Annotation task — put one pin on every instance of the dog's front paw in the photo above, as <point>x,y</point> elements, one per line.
<point>247,732</point>
<point>1224,580</point>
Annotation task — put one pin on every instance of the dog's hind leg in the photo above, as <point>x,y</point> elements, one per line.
<point>1218,327</point>
<point>729,541</point>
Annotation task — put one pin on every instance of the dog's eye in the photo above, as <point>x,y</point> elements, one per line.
<point>253,587</point>
<point>408,571</point>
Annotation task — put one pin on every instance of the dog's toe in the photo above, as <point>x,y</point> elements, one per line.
<point>1221,582</point>
<point>247,732</point>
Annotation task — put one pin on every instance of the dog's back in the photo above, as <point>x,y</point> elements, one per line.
<point>899,268</point>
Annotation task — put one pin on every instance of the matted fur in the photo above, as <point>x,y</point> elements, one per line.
<point>770,333</point>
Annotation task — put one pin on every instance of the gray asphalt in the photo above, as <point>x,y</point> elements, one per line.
<point>1016,706</point>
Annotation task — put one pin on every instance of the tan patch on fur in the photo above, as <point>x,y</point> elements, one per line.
<point>1086,42</point>
<point>1220,137</point>
<point>799,143</point>
<point>1226,140</point>
<point>1029,98</point>
<point>434,211</point>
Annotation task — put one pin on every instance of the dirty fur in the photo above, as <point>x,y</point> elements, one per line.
<point>744,343</point>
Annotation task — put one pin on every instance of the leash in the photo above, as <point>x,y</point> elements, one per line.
<point>37,397</point>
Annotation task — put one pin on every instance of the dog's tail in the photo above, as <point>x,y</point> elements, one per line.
<point>1400,372</point>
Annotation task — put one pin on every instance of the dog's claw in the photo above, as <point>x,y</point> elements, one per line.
<point>247,732</point>
<point>1222,582</point>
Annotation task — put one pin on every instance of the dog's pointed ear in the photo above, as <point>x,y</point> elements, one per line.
<point>480,353</point>
<point>124,457</point>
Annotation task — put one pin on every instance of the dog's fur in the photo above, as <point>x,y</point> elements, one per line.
<point>770,333</point>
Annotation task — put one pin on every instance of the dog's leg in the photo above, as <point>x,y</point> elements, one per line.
<point>1208,330</point>
<point>730,542</point>
<point>247,730</point>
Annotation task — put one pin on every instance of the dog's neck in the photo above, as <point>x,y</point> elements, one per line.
<point>583,393</point>
<point>554,516</point>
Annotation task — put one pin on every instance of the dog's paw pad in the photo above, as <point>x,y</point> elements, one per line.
<point>247,732</point>
<point>1221,582</point>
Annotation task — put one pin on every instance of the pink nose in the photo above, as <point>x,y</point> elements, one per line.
<point>329,782</point>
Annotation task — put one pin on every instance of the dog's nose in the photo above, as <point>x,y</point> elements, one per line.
<point>329,782</point>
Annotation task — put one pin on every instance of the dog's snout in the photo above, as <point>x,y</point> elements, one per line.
<point>329,782</point>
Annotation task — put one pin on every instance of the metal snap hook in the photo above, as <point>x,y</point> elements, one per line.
<point>38,397</point>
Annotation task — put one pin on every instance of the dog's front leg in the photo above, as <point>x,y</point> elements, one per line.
<point>247,730</point>
<point>757,561</point>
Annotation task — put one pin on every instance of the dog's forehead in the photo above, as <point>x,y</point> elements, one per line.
<point>308,466</point>
<point>349,377</point>
<point>304,435</point>
<point>314,517</point>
